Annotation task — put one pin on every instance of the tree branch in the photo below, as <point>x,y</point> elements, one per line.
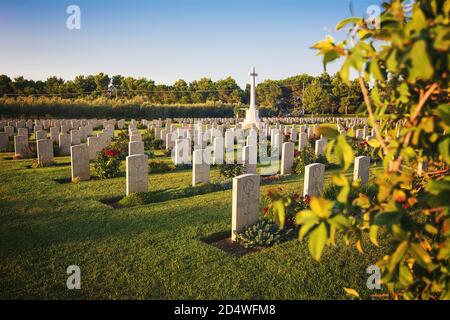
<point>365,93</point>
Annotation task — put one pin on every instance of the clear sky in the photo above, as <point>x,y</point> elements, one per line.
<point>166,40</point>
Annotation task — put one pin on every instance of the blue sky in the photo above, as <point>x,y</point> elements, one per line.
<point>166,40</point>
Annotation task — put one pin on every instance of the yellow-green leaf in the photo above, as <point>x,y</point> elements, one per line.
<point>317,241</point>
<point>321,207</point>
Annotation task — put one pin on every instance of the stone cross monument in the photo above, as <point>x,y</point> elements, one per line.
<point>252,115</point>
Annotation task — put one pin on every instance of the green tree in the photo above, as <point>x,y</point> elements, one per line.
<point>6,85</point>
<point>102,82</point>
<point>316,99</point>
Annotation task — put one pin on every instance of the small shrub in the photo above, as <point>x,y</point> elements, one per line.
<point>282,209</point>
<point>302,159</point>
<point>148,137</point>
<point>157,144</point>
<point>263,234</point>
<point>231,170</point>
<point>107,164</point>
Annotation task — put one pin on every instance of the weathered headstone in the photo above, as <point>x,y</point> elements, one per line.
<point>218,151</point>
<point>44,151</point>
<point>135,147</point>
<point>3,141</point>
<point>135,137</point>
<point>287,158</point>
<point>200,167</point>
<point>9,130</point>
<point>22,132</point>
<point>54,134</point>
<point>250,158</point>
<point>245,203</point>
<point>314,177</point>
<point>41,135</point>
<point>95,147</point>
<point>79,156</point>
<point>361,169</point>
<point>20,145</point>
<point>64,144</point>
<point>75,137</point>
<point>321,147</point>
<point>137,173</point>
<point>181,150</point>
<point>302,141</point>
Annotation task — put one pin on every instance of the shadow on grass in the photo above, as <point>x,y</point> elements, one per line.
<point>222,241</point>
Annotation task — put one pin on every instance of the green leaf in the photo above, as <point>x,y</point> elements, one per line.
<point>375,70</point>
<point>343,153</point>
<point>305,217</point>
<point>340,222</point>
<point>443,111</point>
<point>317,241</point>
<point>351,292</point>
<point>345,71</point>
<point>444,149</point>
<point>344,22</point>
<point>281,212</point>
<point>321,207</point>
<point>373,232</point>
<point>342,181</point>
<point>405,276</point>
<point>304,229</point>
<point>397,256</point>
<point>422,68</point>
<point>327,132</point>
<point>423,258</point>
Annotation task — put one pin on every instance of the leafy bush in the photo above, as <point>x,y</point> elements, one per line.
<point>263,234</point>
<point>157,144</point>
<point>148,137</point>
<point>302,159</point>
<point>282,209</point>
<point>120,144</point>
<point>231,170</point>
<point>412,82</point>
<point>107,164</point>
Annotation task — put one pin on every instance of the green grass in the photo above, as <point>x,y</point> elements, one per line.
<point>150,251</point>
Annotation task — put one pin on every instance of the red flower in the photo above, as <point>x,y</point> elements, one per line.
<point>265,209</point>
<point>110,153</point>
<point>307,199</point>
<point>296,153</point>
<point>405,206</point>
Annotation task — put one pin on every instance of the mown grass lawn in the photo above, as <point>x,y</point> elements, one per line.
<point>148,252</point>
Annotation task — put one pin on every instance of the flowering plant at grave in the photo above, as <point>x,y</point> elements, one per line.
<point>107,164</point>
<point>413,210</point>
<point>281,208</point>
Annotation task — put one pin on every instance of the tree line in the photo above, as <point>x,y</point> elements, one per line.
<point>295,95</point>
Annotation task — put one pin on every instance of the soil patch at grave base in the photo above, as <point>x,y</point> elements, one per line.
<point>222,241</point>
<point>112,202</point>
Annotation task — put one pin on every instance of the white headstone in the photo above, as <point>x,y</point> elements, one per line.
<point>245,204</point>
